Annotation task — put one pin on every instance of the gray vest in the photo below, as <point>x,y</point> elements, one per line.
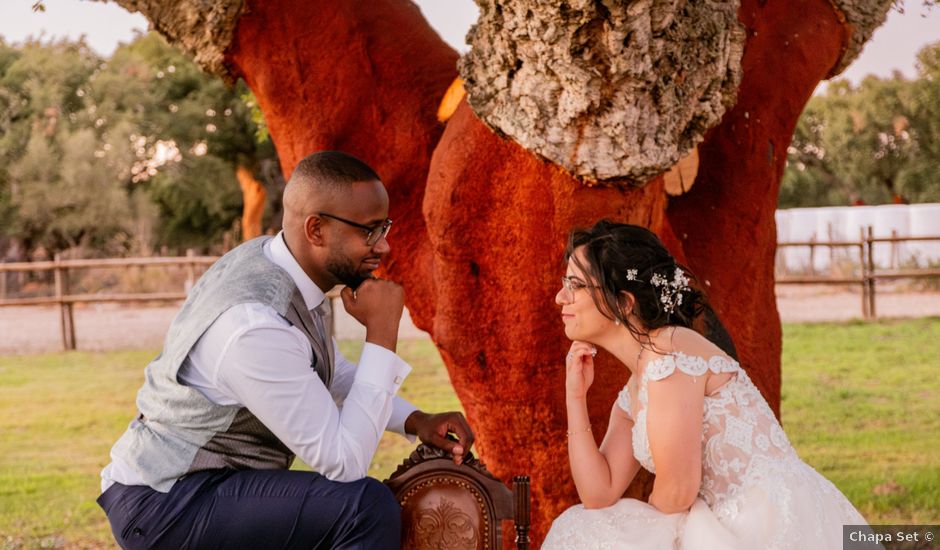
<point>179,431</point>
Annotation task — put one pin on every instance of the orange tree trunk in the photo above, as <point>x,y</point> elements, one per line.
<point>726,222</point>
<point>480,227</point>
<point>364,77</point>
<point>253,195</point>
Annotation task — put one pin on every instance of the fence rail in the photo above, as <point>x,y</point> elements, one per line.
<point>66,300</point>
<point>870,273</point>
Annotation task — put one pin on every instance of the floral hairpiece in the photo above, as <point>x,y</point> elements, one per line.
<point>670,292</point>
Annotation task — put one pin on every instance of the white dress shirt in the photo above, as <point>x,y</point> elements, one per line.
<point>254,358</point>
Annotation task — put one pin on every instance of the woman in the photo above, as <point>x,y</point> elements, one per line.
<point>726,475</point>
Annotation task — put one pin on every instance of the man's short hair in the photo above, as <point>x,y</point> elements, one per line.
<point>333,170</point>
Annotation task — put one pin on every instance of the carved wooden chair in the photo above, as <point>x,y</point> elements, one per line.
<point>446,506</point>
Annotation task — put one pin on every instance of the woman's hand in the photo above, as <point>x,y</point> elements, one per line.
<point>579,369</point>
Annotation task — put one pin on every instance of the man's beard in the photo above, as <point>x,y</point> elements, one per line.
<point>345,271</point>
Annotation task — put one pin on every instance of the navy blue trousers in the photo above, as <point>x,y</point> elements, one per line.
<point>257,510</point>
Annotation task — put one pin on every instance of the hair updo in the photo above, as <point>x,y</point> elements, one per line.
<point>620,257</point>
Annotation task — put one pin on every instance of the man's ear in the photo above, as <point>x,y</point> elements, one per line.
<point>313,230</point>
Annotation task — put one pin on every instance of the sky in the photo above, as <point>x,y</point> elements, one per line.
<point>892,48</point>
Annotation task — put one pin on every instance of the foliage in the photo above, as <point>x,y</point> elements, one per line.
<point>875,143</point>
<point>83,140</point>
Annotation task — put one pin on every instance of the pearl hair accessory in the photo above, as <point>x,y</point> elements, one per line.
<point>670,292</point>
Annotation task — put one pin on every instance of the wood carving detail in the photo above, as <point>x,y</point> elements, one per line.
<point>445,526</point>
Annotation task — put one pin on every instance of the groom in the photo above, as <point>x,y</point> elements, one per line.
<point>250,376</point>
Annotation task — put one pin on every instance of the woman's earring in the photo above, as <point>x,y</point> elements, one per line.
<point>617,322</point>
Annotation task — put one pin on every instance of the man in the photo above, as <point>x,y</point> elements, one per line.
<point>249,377</point>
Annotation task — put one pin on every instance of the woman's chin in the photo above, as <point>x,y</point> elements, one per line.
<point>574,334</point>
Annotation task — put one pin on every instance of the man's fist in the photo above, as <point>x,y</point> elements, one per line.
<point>378,305</point>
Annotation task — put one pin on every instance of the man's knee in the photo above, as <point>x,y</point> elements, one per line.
<point>378,501</point>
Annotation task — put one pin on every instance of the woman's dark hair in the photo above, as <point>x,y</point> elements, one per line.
<point>612,251</point>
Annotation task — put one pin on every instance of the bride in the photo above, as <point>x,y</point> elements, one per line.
<point>726,475</point>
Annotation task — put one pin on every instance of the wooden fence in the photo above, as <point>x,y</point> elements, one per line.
<point>870,273</point>
<point>66,300</point>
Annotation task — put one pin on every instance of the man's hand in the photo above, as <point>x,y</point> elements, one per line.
<point>432,429</point>
<point>378,305</point>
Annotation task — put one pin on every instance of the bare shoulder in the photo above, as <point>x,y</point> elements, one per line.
<point>684,340</point>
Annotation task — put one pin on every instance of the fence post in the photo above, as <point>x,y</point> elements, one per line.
<point>190,270</point>
<point>894,249</point>
<point>66,318</point>
<point>812,255</point>
<point>863,262</point>
<point>871,273</point>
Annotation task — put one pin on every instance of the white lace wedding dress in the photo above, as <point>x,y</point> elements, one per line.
<point>755,494</point>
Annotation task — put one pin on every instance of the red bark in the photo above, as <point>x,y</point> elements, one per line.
<point>479,248</point>
<point>726,222</point>
<point>363,77</point>
<point>498,218</point>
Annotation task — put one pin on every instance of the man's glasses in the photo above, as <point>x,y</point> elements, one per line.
<point>373,234</point>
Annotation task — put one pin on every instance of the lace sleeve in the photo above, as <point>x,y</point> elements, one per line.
<point>693,365</point>
<point>623,401</point>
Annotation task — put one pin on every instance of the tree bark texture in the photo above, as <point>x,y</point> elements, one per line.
<point>363,77</point>
<point>481,221</point>
<point>201,28</point>
<point>605,89</point>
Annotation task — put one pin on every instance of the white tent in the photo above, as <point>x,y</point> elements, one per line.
<point>891,219</point>
<point>802,228</point>
<point>782,219</point>
<point>925,222</point>
<point>850,223</point>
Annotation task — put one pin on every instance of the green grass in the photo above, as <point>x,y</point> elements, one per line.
<point>60,413</point>
<point>860,403</point>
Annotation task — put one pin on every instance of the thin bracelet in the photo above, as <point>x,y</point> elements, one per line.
<point>579,431</point>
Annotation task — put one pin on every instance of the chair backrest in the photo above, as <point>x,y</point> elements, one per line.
<point>456,507</point>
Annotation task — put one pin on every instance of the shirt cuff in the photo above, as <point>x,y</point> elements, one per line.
<point>381,368</point>
<point>401,410</point>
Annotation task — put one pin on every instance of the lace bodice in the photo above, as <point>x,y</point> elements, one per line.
<point>742,442</point>
<point>761,494</point>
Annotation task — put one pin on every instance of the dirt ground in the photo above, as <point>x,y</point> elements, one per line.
<point>26,330</point>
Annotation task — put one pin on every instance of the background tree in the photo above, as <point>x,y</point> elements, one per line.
<point>61,193</point>
<point>875,143</point>
<point>126,154</point>
<point>191,134</point>
<point>919,181</point>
